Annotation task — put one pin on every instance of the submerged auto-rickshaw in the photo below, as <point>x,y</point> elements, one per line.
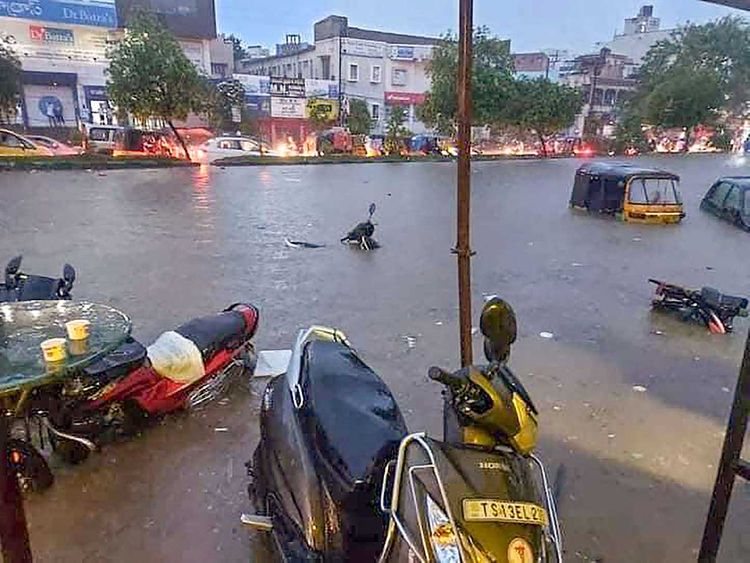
<point>631,193</point>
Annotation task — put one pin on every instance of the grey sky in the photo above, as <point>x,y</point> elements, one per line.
<point>530,24</point>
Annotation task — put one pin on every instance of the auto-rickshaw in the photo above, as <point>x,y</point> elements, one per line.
<point>630,193</point>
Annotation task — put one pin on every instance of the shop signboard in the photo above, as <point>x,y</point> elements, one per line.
<point>100,13</point>
<point>47,34</point>
<point>402,53</point>
<point>404,98</point>
<point>289,108</point>
<point>287,87</point>
<point>329,108</point>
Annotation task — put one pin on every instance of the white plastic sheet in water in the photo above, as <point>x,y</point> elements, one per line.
<point>272,362</point>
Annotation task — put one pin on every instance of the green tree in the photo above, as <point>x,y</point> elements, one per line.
<point>358,120</point>
<point>721,48</point>
<point>540,106</point>
<point>238,48</point>
<point>395,130</point>
<point>10,83</point>
<point>150,76</point>
<point>629,132</point>
<point>491,81</point>
<point>222,98</point>
<point>685,97</point>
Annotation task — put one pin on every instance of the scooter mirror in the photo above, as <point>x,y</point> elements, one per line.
<point>372,210</point>
<point>498,326</point>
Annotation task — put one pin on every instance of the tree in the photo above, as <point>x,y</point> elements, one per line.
<point>150,76</point>
<point>629,132</point>
<point>358,120</point>
<point>541,106</point>
<point>395,130</point>
<point>238,48</point>
<point>10,83</point>
<point>684,98</point>
<point>491,81</point>
<point>222,98</point>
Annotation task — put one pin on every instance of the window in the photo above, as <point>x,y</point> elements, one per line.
<point>375,74</point>
<point>99,134</point>
<point>734,199</point>
<point>249,145</point>
<point>8,140</point>
<point>653,191</point>
<point>219,69</point>
<point>376,113</point>
<point>353,72</point>
<point>399,77</point>
<point>719,195</point>
<point>325,66</point>
<point>230,144</point>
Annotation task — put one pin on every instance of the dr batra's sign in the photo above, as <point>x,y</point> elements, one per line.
<point>46,34</point>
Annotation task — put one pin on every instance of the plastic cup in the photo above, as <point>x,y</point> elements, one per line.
<point>54,350</point>
<point>78,329</point>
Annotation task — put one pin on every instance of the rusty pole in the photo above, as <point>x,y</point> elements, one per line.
<point>463,199</point>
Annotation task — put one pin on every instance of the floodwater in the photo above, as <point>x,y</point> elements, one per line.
<point>166,245</point>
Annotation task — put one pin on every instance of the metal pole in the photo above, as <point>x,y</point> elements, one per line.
<point>14,535</point>
<point>728,465</point>
<point>463,199</point>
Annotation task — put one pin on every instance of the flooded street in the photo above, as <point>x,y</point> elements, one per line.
<point>166,245</point>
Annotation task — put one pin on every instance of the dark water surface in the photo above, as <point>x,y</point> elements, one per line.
<point>165,245</point>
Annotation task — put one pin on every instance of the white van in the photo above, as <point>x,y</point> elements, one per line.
<point>100,138</point>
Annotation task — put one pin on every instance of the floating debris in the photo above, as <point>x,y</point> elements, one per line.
<point>221,429</point>
<point>726,389</point>
<point>301,244</point>
<point>411,341</point>
<point>544,334</point>
<point>639,389</point>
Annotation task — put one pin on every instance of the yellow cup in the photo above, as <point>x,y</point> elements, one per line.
<point>54,350</point>
<point>78,329</point>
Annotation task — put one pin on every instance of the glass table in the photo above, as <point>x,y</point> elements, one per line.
<point>23,327</point>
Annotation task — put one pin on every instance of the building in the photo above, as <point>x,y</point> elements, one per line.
<point>531,65</point>
<point>62,46</point>
<point>640,34</point>
<point>383,69</point>
<point>221,56</point>
<point>602,79</point>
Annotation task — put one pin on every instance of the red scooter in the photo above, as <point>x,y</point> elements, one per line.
<point>183,368</point>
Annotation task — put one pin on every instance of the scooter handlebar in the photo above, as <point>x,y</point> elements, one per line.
<point>454,382</point>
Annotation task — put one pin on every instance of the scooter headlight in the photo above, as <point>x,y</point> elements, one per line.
<point>442,535</point>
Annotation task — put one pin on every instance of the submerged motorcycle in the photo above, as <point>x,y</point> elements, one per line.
<point>119,395</point>
<point>707,305</point>
<point>337,477</point>
<point>361,235</point>
<point>17,286</point>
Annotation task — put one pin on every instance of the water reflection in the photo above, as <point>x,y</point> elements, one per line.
<point>203,202</point>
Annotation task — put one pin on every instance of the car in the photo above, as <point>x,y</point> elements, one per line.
<point>13,144</point>
<point>729,199</point>
<point>100,138</point>
<point>56,147</point>
<point>224,147</point>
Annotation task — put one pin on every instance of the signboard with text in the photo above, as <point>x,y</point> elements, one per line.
<point>99,13</point>
<point>404,98</point>
<point>51,34</point>
<point>287,87</point>
<point>290,108</point>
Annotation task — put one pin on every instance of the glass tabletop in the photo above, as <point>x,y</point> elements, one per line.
<point>25,325</point>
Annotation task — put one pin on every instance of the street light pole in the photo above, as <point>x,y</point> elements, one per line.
<point>463,199</point>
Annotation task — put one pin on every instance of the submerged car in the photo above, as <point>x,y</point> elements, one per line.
<point>224,147</point>
<point>57,148</point>
<point>729,199</point>
<point>13,144</point>
<point>630,193</point>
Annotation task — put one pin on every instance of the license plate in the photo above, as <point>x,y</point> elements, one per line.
<point>488,510</point>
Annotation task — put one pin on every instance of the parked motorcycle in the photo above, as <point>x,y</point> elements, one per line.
<point>706,305</point>
<point>361,235</point>
<point>337,476</point>
<point>183,368</point>
<point>17,286</point>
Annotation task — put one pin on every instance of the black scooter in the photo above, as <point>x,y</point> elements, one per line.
<point>17,286</point>
<point>707,305</point>
<point>361,235</point>
<point>337,476</point>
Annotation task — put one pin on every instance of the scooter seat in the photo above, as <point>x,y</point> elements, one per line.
<point>351,414</point>
<point>123,360</point>
<point>215,332</point>
<point>714,298</point>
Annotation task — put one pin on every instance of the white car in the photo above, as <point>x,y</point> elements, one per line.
<point>224,147</point>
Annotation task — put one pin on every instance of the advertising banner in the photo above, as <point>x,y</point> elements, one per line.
<point>329,108</point>
<point>100,13</point>
<point>404,98</point>
<point>288,87</point>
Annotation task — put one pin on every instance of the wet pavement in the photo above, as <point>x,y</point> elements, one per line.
<point>636,466</point>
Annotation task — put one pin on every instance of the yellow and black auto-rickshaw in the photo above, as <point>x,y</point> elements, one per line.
<point>631,193</point>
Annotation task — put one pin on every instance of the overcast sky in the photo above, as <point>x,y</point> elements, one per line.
<point>530,24</point>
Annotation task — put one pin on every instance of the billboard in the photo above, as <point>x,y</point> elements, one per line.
<point>100,13</point>
<point>290,108</point>
<point>287,87</point>
<point>191,19</point>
